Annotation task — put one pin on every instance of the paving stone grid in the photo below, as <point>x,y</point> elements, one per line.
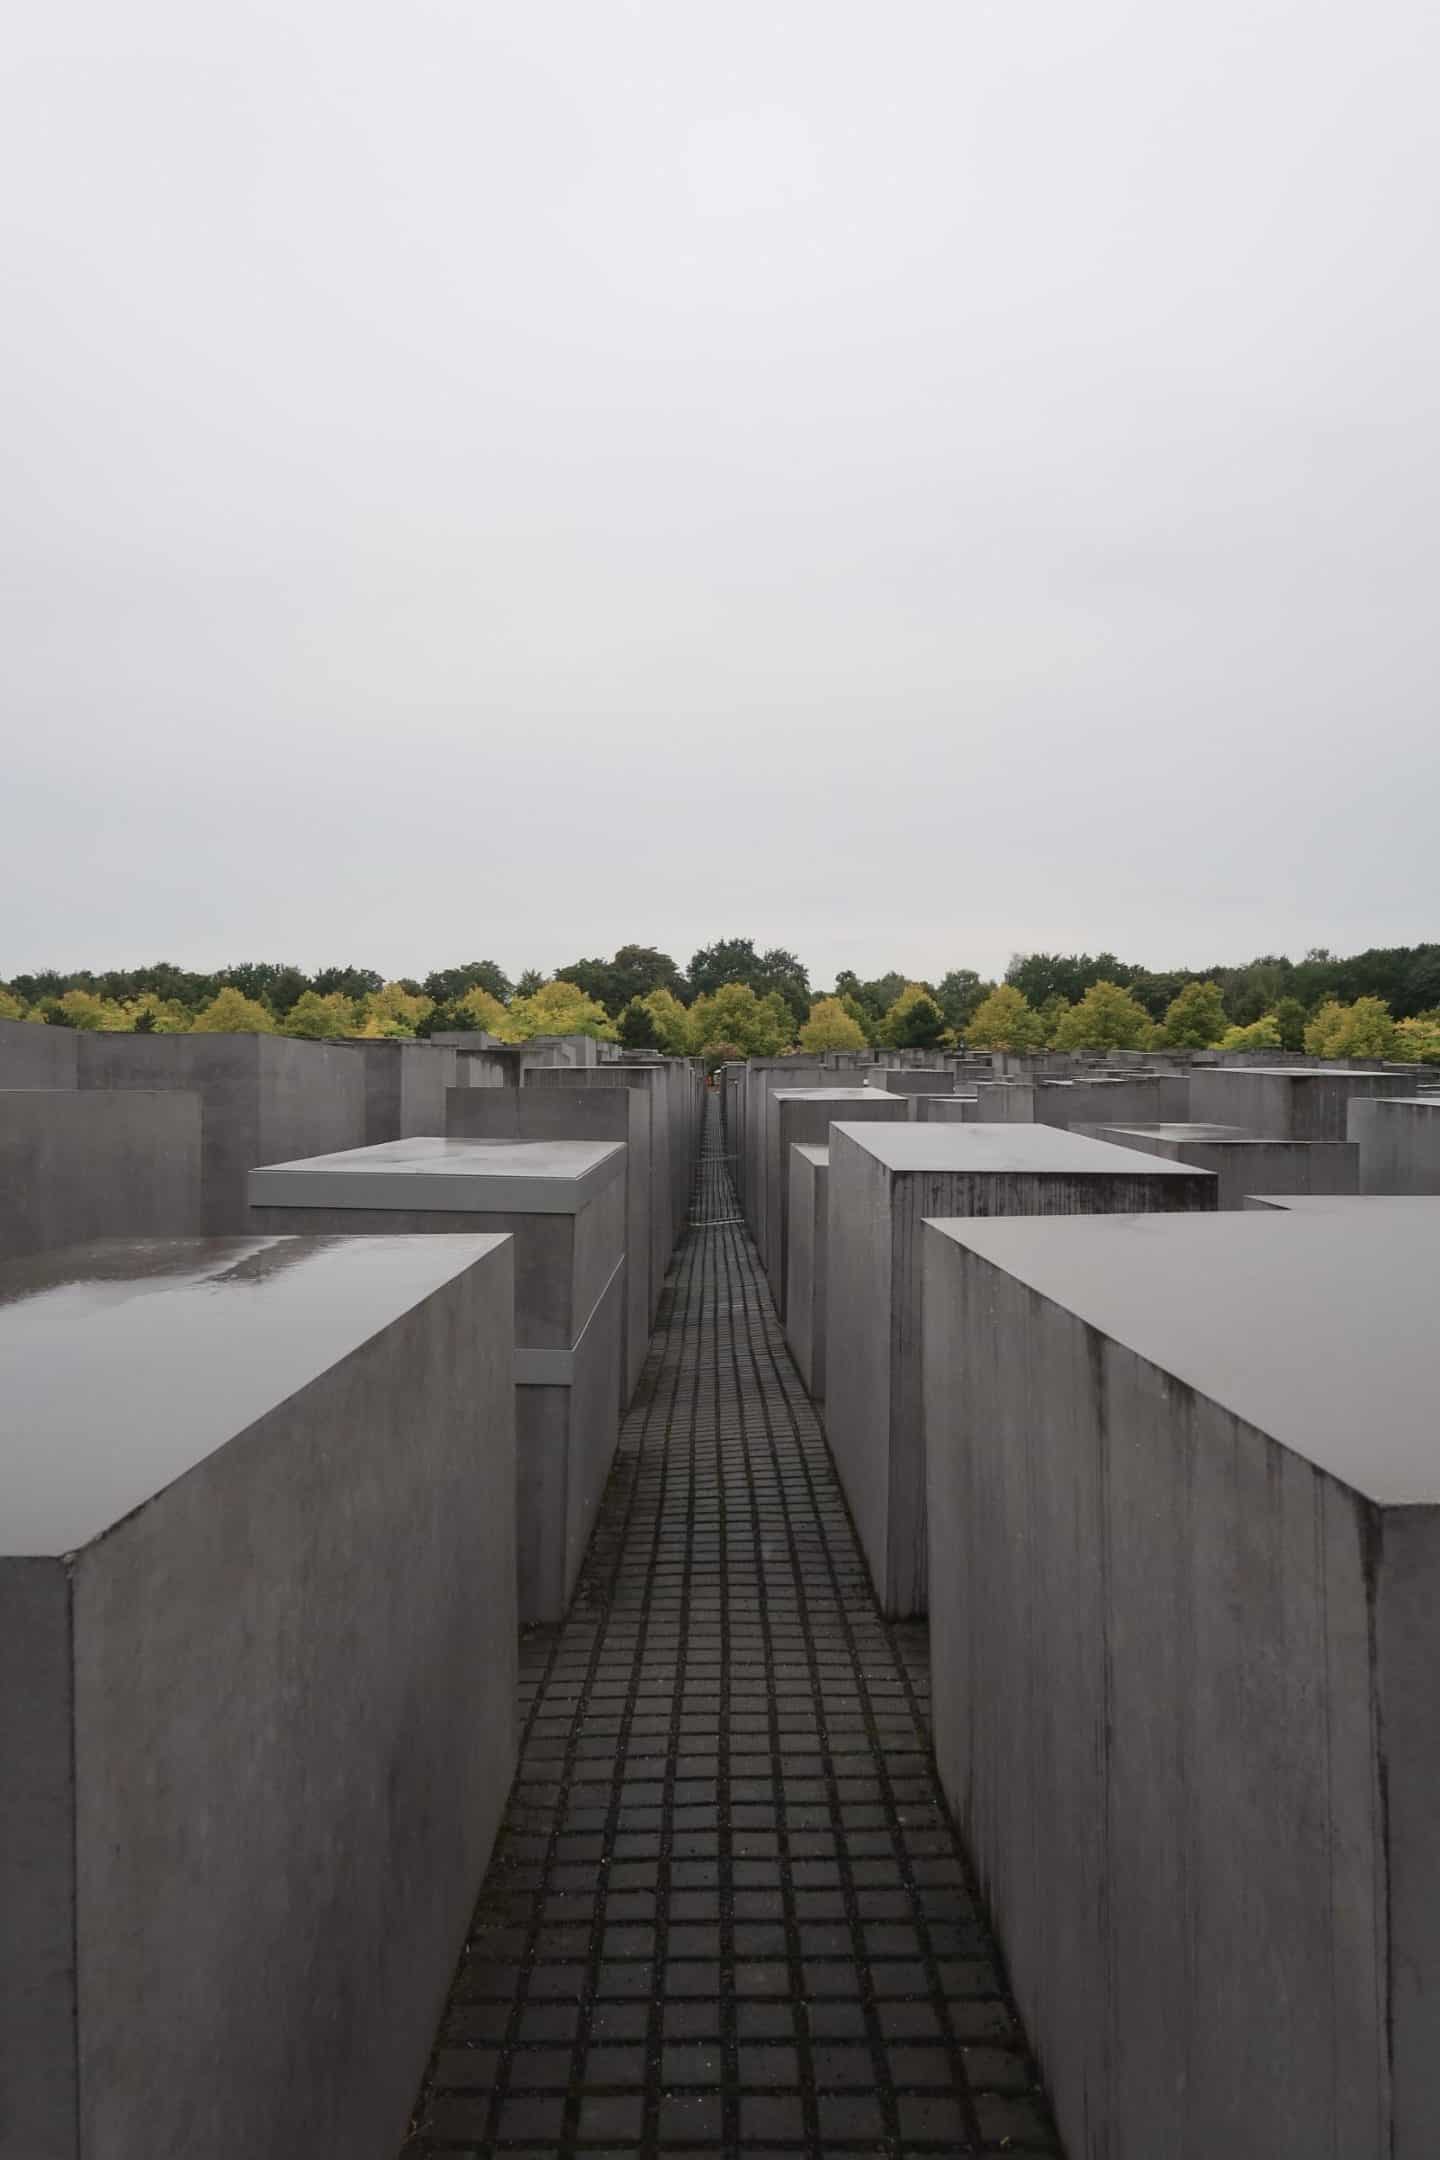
<point>726,1912</point>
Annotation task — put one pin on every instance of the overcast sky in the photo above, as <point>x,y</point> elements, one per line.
<point>904,482</point>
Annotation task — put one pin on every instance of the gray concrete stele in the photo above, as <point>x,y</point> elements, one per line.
<point>78,1166</point>
<point>1242,1162</point>
<point>1185,1624</point>
<point>1279,1102</point>
<point>884,1179</point>
<point>564,1203</point>
<point>809,1214</point>
<point>1398,1143</point>
<point>806,1114</point>
<point>257,1682</point>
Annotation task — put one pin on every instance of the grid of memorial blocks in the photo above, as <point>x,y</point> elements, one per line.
<point>726,1912</point>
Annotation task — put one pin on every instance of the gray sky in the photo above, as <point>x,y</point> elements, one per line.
<point>901,482</point>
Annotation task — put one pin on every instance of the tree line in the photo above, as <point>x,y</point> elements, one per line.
<point>734,999</point>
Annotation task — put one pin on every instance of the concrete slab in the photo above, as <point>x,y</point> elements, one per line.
<point>264,1098</point>
<point>669,1171</point>
<point>1278,1102</point>
<point>1184,1479</point>
<point>807,1114</point>
<point>405,1084</point>
<point>1398,1142</point>
<point>77,1166</point>
<point>762,1077</point>
<point>883,1180</point>
<point>587,1114</point>
<point>1134,1099</point>
<point>33,1055</point>
<point>257,1682</point>
<point>1242,1163</point>
<point>563,1202</point>
<point>913,1079</point>
<point>809,1207</point>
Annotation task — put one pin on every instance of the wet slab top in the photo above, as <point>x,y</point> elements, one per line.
<point>1317,1326</point>
<point>496,1177</point>
<point>1005,1150</point>
<point>125,1362</point>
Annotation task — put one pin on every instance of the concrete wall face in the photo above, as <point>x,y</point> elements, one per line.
<point>1171,1663</point>
<point>1004,1102</point>
<point>765,1078</point>
<point>805,1281</point>
<point>1398,1144</point>
<point>669,1168</point>
<point>1280,1104</point>
<point>35,1056</point>
<point>874,1331</point>
<point>405,1087</point>
<point>285,1686</point>
<point>575,1113</point>
<point>807,1117</point>
<point>1242,1167</point>
<point>264,1099</point>
<point>914,1080</point>
<point>569,1316</point>
<point>76,1166</point>
<point>1143,1098</point>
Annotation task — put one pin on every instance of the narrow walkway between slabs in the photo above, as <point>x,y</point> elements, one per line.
<point>726,1912</point>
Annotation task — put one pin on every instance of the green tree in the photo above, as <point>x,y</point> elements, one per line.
<point>531,983</point>
<point>871,1000</point>
<point>914,1021</point>
<point>83,1009</point>
<point>357,984</point>
<point>230,1012</point>
<point>313,1017</point>
<point>1106,1018</point>
<point>735,960</point>
<point>830,1027</point>
<point>266,982</point>
<point>1070,975</point>
<point>446,985</point>
<point>961,993</point>
<point>1261,1034</point>
<point>634,972</point>
<point>11,1006</point>
<point>557,1008</point>
<point>1006,1020</point>
<point>733,1016</point>
<point>1195,1019</point>
<point>637,1027</point>
<point>1290,1024</point>
<point>672,1021</point>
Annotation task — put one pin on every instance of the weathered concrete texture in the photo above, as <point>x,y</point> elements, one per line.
<point>405,1085</point>
<point>670,1163</point>
<point>1184,1482</point>
<point>945,1109</point>
<point>1004,1102</point>
<point>1358,1206</point>
<point>913,1079</point>
<point>1398,1143</point>
<point>257,1675</point>
<point>581,1113</point>
<point>564,1204</point>
<point>884,1179</point>
<point>75,1166</point>
<point>1284,1103</point>
<point>35,1056</point>
<point>762,1077</point>
<point>1137,1099</point>
<point>263,1098</point>
<point>1241,1163</point>
<point>807,1114</point>
<point>809,1217</point>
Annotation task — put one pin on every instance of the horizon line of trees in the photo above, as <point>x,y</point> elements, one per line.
<point>736,1000</point>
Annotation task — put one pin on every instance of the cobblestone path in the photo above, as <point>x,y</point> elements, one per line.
<point>726,1912</point>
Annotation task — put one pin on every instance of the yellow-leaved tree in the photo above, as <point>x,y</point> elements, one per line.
<point>1006,1020</point>
<point>1364,1029</point>
<point>830,1027</point>
<point>733,1018</point>
<point>392,1010</point>
<point>230,1012</point>
<point>557,1008</point>
<point>313,1016</point>
<point>1106,1018</point>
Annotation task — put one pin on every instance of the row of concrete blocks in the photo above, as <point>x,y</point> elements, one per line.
<point>1174,1492</point>
<point>272,1508</point>
<point>267,1098</point>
